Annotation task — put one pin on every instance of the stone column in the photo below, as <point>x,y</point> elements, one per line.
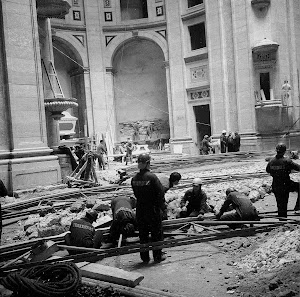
<point>178,96</point>
<point>25,162</point>
<point>97,107</point>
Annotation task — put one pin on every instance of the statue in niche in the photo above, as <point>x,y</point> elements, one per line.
<point>136,132</point>
<point>149,130</point>
<point>286,87</point>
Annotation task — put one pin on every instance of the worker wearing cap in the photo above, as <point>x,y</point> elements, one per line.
<point>244,209</point>
<point>82,232</point>
<point>223,141</point>
<point>194,201</point>
<point>124,221</point>
<point>205,145</point>
<point>150,200</point>
<point>280,168</point>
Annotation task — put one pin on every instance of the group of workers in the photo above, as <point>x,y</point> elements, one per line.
<point>146,211</point>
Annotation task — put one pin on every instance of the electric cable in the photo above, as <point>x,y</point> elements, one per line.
<point>56,279</point>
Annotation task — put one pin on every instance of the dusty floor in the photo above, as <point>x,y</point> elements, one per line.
<point>208,269</point>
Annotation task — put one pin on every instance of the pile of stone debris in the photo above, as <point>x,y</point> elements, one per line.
<point>279,248</point>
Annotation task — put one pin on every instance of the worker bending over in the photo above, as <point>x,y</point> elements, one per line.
<point>244,209</point>
<point>168,182</point>
<point>82,232</point>
<point>124,221</point>
<point>194,201</point>
<point>280,168</point>
<point>149,193</point>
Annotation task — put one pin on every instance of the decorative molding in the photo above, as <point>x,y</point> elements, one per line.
<point>75,3</point>
<point>159,10</point>
<point>121,28</point>
<point>80,38</point>
<point>199,74</point>
<point>76,15</point>
<point>162,33</point>
<point>108,39</point>
<point>107,3</point>
<point>195,58</point>
<point>200,94</point>
<point>108,16</point>
<point>135,33</point>
<point>193,14</point>
<point>68,27</point>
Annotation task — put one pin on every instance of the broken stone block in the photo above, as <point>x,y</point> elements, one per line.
<point>90,203</point>
<point>31,229</point>
<point>77,207</point>
<point>102,206</point>
<point>50,231</point>
<point>33,235</point>
<point>254,196</point>
<point>32,220</point>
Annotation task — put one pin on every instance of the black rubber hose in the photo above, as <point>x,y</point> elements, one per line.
<point>56,279</point>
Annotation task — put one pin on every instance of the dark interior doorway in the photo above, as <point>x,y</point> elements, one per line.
<point>202,115</point>
<point>265,84</point>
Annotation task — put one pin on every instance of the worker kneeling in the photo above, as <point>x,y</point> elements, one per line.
<point>83,234</point>
<point>244,209</point>
<point>124,221</point>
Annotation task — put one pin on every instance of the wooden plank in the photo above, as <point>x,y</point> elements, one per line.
<point>111,274</point>
<point>138,291</point>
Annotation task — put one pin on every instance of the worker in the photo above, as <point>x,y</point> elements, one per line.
<point>129,149</point>
<point>194,201</point>
<point>280,168</point>
<point>223,141</point>
<point>168,182</point>
<point>244,209</point>
<point>82,232</point>
<point>101,150</point>
<point>124,221</point>
<point>205,145</point>
<point>3,193</point>
<point>149,193</point>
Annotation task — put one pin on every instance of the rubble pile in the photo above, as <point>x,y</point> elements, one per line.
<point>255,189</point>
<point>279,249</point>
<point>54,223</point>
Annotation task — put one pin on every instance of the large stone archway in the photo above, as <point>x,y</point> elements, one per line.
<point>140,92</point>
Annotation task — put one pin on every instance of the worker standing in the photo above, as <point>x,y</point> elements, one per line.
<point>129,150</point>
<point>82,232</point>
<point>244,209</point>
<point>150,199</point>
<point>223,141</point>
<point>280,168</point>
<point>101,150</point>
<point>3,193</point>
<point>194,201</point>
<point>124,221</point>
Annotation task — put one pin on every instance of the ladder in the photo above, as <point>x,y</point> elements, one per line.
<point>53,80</point>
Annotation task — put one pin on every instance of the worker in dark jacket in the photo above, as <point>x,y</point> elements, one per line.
<point>3,193</point>
<point>168,182</point>
<point>194,201</point>
<point>82,232</point>
<point>124,221</point>
<point>223,142</point>
<point>280,168</point>
<point>244,209</point>
<point>150,199</point>
<point>205,145</point>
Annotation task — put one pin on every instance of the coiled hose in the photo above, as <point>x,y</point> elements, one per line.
<point>56,279</point>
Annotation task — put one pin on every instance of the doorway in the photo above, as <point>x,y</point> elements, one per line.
<point>202,116</point>
<point>265,84</point>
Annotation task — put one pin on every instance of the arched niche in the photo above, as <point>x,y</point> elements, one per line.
<point>140,92</point>
<point>69,67</point>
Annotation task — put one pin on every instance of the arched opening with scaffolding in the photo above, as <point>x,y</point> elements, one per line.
<point>140,93</point>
